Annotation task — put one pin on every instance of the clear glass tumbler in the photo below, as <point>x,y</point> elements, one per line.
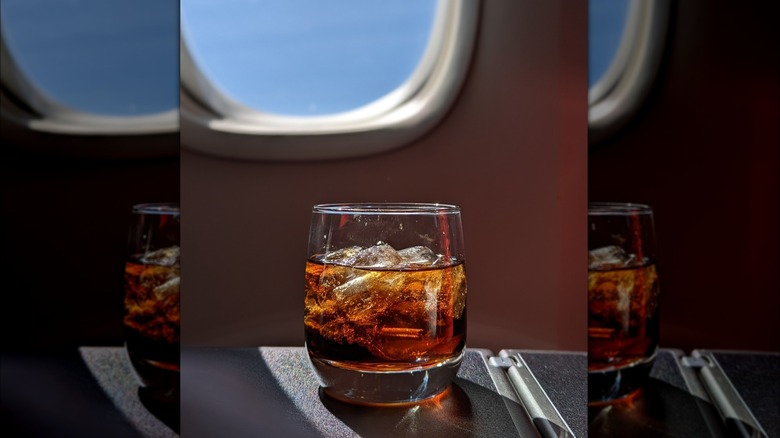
<point>151,299</point>
<point>623,300</point>
<point>385,300</point>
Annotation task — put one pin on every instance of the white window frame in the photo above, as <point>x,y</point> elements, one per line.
<point>620,91</point>
<point>50,116</point>
<point>215,124</point>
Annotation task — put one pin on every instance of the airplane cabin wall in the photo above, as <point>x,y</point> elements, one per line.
<point>65,221</point>
<point>704,153</point>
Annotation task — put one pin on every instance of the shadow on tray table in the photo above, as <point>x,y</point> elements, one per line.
<point>271,391</point>
<point>88,392</point>
<point>706,394</point>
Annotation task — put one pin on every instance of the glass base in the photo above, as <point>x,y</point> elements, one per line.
<point>617,384</point>
<point>168,394</point>
<point>158,380</point>
<point>385,387</point>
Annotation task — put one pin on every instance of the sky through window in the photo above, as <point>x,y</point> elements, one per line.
<point>307,57</point>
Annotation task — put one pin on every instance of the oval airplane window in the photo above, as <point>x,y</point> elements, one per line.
<point>306,79</point>
<point>306,57</point>
<point>92,66</point>
<point>621,72</point>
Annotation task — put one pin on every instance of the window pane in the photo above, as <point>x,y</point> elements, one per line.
<point>110,57</point>
<point>607,19</point>
<point>307,57</point>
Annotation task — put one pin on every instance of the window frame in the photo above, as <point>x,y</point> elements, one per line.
<point>214,124</point>
<point>621,90</point>
<point>37,111</point>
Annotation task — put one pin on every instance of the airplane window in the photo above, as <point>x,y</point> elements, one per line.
<point>307,79</point>
<point>626,41</point>
<point>307,57</point>
<point>94,61</point>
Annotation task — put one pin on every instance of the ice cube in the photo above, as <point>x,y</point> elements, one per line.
<point>373,284</point>
<point>162,257</point>
<point>380,255</point>
<point>418,256</point>
<point>609,257</point>
<point>168,289</point>
<point>343,256</point>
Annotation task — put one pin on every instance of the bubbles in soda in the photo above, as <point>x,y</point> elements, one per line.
<point>386,309</point>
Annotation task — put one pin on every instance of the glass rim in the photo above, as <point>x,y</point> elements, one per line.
<point>386,208</point>
<point>617,208</point>
<point>161,208</point>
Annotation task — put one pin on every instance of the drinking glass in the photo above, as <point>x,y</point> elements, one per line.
<point>151,299</point>
<point>623,311</point>
<point>385,300</point>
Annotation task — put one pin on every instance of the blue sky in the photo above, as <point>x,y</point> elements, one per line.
<point>307,57</point>
<point>117,57</point>
<point>120,57</point>
<point>605,27</point>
